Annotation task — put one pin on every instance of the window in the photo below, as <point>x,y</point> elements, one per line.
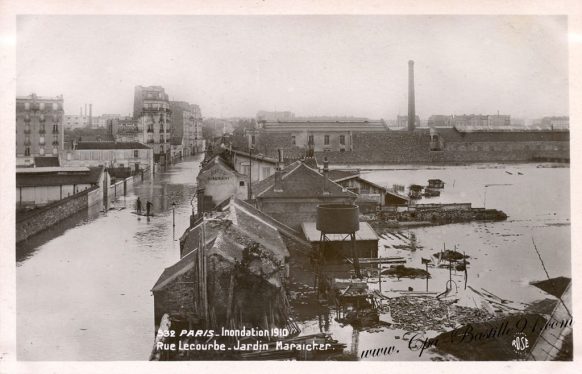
<point>55,106</point>
<point>26,106</point>
<point>41,106</point>
<point>293,140</point>
<point>241,183</point>
<point>246,169</point>
<point>266,171</point>
<point>27,151</point>
<point>136,153</point>
<point>326,140</point>
<point>342,139</point>
<point>310,139</point>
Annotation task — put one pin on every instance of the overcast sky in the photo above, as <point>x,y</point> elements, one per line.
<point>311,65</point>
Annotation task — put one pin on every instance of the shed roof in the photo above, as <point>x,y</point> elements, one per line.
<point>366,232</point>
<point>90,175</point>
<point>110,145</point>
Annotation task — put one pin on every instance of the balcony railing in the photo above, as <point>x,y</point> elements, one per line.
<point>55,143</point>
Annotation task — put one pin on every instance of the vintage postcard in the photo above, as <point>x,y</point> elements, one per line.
<point>292,187</point>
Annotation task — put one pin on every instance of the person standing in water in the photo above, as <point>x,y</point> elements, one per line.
<point>138,205</point>
<point>148,207</point>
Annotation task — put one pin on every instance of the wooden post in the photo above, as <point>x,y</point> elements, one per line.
<point>426,276</point>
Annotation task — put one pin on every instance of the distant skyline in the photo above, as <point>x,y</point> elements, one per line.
<point>234,66</point>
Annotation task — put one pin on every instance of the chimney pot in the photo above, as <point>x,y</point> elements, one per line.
<point>278,172</point>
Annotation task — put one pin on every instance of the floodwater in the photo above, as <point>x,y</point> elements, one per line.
<point>83,287</point>
<point>502,255</point>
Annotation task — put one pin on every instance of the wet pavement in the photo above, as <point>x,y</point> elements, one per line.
<point>83,286</point>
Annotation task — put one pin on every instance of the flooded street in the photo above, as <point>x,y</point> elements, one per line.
<point>83,287</point>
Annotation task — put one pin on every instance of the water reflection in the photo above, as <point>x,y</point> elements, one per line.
<point>83,287</point>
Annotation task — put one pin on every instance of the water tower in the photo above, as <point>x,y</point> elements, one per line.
<point>342,219</point>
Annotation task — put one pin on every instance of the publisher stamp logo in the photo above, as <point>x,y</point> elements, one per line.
<point>520,344</point>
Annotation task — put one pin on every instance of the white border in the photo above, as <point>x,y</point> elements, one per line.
<point>10,8</point>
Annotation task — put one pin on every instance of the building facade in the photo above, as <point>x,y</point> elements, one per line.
<point>322,135</point>
<point>556,123</point>
<point>151,110</point>
<point>402,122</point>
<point>187,126</point>
<point>439,120</point>
<point>482,120</point>
<point>76,121</point>
<point>259,167</point>
<point>133,155</point>
<point>124,130</point>
<point>39,127</point>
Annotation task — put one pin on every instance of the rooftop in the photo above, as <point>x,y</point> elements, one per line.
<point>110,145</point>
<point>52,176</point>
<point>299,180</point>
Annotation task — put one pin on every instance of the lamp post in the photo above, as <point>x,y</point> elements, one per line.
<point>173,220</point>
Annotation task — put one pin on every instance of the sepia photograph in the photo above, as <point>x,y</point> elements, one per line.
<point>292,188</point>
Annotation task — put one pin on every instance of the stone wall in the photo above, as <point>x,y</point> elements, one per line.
<point>38,220</point>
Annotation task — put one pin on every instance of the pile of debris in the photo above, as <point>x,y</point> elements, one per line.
<point>401,271</point>
<point>425,313</point>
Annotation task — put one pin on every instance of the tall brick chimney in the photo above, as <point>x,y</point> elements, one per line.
<point>411,109</point>
<point>278,173</point>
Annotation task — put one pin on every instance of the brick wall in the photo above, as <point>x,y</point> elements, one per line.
<point>38,220</point>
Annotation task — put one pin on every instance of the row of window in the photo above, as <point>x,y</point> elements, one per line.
<point>509,147</point>
<point>41,151</point>
<point>111,155</point>
<point>41,106</point>
<point>326,139</point>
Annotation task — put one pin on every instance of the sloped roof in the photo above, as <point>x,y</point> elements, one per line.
<point>554,286</point>
<point>218,161</point>
<point>258,229</point>
<point>170,273</point>
<point>90,175</point>
<point>304,182</point>
<point>110,145</point>
<point>338,175</point>
<point>263,185</point>
<point>255,156</point>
